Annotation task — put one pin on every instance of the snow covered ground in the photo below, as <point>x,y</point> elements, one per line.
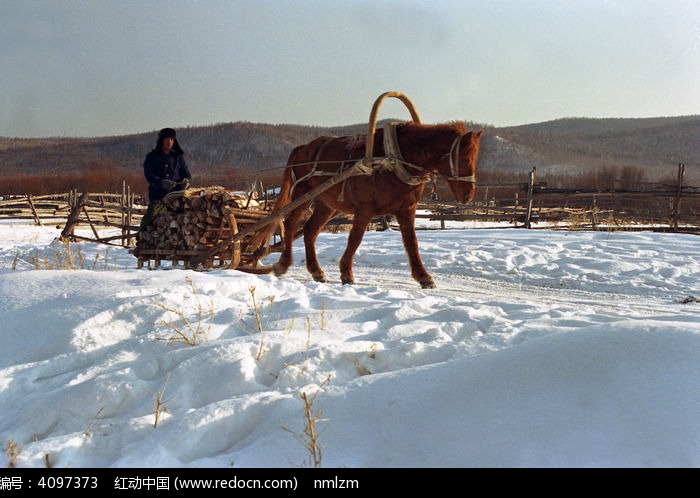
<point>537,349</point>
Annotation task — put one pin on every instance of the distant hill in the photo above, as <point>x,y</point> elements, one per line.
<point>570,145</point>
<point>575,143</point>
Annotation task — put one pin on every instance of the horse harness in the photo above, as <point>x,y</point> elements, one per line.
<point>392,162</point>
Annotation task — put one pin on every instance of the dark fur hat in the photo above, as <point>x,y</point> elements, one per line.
<point>166,133</point>
<point>169,133</point>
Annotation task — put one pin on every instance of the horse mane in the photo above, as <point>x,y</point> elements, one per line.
<point>456,126</point>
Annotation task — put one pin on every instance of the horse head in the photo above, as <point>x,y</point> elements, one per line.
<point>459,168</point>
<point>449,150</point>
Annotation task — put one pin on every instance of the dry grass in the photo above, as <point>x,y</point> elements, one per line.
<point>185,330</point>
<point>160,406</point>
<point>262,314</point>
<point>311,434</point>
<point>88,431</point>
<point>63,256</point>
<point>12,450</point>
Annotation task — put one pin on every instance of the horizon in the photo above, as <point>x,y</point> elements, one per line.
<point>485,125</point>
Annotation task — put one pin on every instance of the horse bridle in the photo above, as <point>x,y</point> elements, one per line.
<point>391,146</point>
<point>454,163</point>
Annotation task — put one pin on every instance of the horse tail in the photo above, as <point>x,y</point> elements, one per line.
<point>259,241</point>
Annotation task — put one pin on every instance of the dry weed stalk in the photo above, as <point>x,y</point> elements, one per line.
<point>12,450</point>
<point>322,318</point>
<point>308,336</point>
<point>160,406</point>
<point>191,334</point>
<point>88,431</point>
<point>362,369</point>
<point>261,316</point>
<point>311,435</point>
<point>373,351</point>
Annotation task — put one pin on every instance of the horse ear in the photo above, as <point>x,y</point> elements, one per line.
<point>472,135</point>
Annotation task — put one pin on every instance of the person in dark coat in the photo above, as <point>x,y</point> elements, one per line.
<point>166,171</point>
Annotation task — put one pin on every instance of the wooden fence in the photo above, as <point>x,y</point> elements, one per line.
<point>647,207</point>
<point>96,210</point>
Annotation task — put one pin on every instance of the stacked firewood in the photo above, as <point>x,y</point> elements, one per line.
<point>195,219</point>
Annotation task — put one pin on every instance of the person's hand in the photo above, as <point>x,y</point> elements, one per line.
<point>167,184</point>
<point>184,184</point>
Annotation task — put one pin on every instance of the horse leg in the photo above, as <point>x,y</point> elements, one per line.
<point>291,223</point>
<point>321,215</point>
<point>410,243</point>
<point>359,226</point>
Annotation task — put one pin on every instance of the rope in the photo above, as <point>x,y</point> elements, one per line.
<point>394,162</point>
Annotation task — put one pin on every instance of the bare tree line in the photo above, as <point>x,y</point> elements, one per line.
<point>573,152</point>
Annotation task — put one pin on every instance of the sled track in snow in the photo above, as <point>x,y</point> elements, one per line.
<point>465,288</point>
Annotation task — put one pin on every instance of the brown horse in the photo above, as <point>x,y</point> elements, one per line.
<point>394,185</point>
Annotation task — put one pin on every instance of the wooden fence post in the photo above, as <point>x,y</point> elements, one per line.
<point>486,201</point>
<point>67,232</point>
<point>94,230</point>
<point>37,220</point>
<point>594,213</point>
<point>677,199</point>
<point>126,205</point>
<point>131,203</point>
<point>123,204</point>
<point>530,188</point>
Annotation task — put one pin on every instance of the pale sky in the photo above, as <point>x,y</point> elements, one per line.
<point>111,67</point>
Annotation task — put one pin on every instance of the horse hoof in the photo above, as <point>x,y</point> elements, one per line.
<point>428,284</point>
<point>347,281</point>
<point>320,278</point>
<point>279,269</point>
